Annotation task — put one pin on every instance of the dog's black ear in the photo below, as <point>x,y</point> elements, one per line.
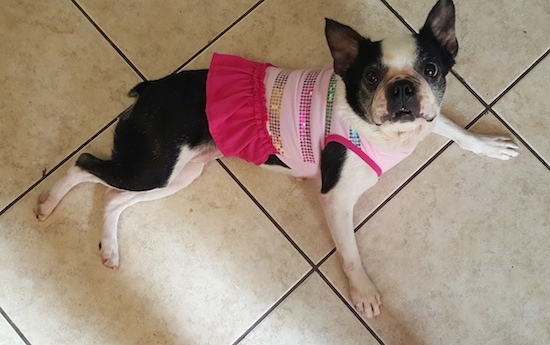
<point>441,26</point>
<point>343,42</point>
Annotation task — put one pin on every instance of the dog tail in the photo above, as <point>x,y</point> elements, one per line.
<point>104,169</point>
<point>118,175</point>
<point>139,88</point>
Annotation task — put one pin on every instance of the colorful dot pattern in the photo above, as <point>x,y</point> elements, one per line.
<point>354,138</point>
<point>275,102</point>
<point>304,117</point>
<point>330,101</point>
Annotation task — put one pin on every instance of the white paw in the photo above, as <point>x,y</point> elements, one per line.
<point>365,298</point>
<point>44,206</point>
<point>109,254</point>
<point>494,146</point>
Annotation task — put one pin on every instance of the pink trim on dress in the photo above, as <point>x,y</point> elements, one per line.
<point>349,145</point>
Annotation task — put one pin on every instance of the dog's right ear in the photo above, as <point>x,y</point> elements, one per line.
<point>343,42</point>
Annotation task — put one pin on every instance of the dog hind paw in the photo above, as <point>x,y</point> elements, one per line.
<point>109,256</point>
<point>44,206</point>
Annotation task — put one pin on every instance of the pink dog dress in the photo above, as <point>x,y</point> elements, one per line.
<point>256,110</point>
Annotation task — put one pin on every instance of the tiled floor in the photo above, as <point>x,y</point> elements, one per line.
<point>457,244</point>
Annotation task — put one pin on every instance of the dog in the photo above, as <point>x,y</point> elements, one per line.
<point>377,103</point>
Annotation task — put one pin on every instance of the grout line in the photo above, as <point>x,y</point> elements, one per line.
<point>218,36</point>
<point>416,173</point>
<point>469,88</point>
<point>274,306</point>
<point>401,19</point>
<point>349,306</point>
<point>14,326</point>
<point>271,219</point>
<point>113,45</point>
<point>328,255</point>
<point>63,161</point>
<point>403,185</point>
<point>521,139</point>
<point>520,77</point>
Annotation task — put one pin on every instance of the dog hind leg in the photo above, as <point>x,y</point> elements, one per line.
<point>117,201</point>
<point>48,201</point>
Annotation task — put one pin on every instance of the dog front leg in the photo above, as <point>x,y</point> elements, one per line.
<point>339,214</point>
<point>495,146</point>
<point>344,181</point>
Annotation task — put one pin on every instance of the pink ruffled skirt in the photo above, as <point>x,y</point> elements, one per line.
<point>236,108</point>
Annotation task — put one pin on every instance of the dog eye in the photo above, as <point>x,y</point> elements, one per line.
<point>431,70</point>
<point>371,78</point>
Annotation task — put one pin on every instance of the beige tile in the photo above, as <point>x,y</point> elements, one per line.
<point>196,268</point>
<point>290,34</point>
<point>527,108</point>
<point>159,36</point>
<point>8,335</point>
<point>497,40</point>
<point>460,255</point>
<point>295,204</point>
<point>60,82</point>
<point>312,314</point>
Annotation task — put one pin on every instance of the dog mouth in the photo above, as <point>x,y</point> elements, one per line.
<point>403,115</point>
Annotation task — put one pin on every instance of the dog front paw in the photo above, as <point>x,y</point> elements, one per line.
<point>109,254</point>
<point>365,297</point>
<point>44,206</point>
<point>494,146</point>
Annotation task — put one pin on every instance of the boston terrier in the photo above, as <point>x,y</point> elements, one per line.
<point>344,125</point>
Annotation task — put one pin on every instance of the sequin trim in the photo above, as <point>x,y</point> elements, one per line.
<point>275,102</point>
<point>305,111</point>
<point>330,101</point>
<point>354,138</point>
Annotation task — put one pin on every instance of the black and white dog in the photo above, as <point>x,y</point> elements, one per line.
<point>388,91</point>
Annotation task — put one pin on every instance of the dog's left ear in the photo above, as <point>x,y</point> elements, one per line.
<point>441,26</point>
<point>343,42</point>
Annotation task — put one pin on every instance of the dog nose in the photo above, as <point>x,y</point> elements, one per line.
<point>403,91</point>
<point>403,103</point>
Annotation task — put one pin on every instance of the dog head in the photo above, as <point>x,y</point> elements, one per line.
<point>396,85</point>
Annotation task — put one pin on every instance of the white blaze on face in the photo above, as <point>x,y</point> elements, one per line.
<point>399,52</point>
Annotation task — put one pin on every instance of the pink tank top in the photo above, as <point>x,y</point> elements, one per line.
<point>255,110</point>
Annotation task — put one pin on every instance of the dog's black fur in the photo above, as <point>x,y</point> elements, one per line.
<point>168,114</point>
